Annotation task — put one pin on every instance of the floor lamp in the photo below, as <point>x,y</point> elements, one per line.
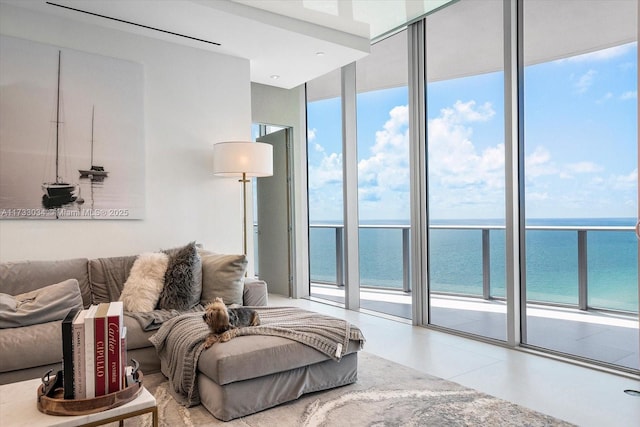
<point>245,160</point>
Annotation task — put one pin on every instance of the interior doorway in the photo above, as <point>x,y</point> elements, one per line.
<point>273,213</point>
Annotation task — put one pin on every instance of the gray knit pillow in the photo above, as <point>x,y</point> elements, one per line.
<point>183,279</point>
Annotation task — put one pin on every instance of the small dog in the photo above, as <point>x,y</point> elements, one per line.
<point>223,320</point>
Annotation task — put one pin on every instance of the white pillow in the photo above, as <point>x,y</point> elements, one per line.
<point>142,289</point>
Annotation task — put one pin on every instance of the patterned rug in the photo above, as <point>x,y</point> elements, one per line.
<point>386,394</point>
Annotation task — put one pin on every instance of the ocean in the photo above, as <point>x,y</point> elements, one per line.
<point>455,263</point>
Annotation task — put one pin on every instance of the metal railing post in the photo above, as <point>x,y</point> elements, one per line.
<point>582,270</point>
<point>486,264</point>
<point>406,260</point>
<point>339,257</point>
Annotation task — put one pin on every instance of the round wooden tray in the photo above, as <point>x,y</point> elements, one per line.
<point>58,406</point>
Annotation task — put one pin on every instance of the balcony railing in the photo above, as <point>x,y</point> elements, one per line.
<point>487,232</point>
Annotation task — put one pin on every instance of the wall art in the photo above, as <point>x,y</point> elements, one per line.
<point>71,134</point>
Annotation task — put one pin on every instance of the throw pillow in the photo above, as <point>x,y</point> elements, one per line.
<point>43,305</point>
<point>183,279</point>
<point>144,285</point>
<point>223,276</point>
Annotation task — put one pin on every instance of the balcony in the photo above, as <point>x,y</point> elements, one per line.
<point>575,310</point>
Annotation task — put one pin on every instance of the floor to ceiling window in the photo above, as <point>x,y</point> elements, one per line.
<point>383,177</point>
<point>324,138</point>
<point>581,178</point>
<point>465,176</point>
<point>529,236</point>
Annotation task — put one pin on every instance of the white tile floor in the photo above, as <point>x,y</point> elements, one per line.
<point>583,396</point>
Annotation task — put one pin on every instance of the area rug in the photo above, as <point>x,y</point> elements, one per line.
<point>386,394</point>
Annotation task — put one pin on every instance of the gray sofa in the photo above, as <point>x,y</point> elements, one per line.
<point>29,351</point>
<point>236,378</point>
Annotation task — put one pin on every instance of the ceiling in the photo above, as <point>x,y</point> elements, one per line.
<point>466,39</point>
<point>288,42</point>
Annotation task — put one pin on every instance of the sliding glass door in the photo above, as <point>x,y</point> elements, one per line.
<point>465,172</point>
<point>383,177</point>
<point>324,138</point>
<point>581,179</point>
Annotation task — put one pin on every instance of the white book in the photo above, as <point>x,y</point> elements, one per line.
<point>79,381</point>
<point>89,353</point>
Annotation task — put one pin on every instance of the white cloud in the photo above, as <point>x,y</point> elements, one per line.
<point>607,96</point>
<point>584,167</point>
<point>327,172</point>
<point>464,180</point>
<point>311,134</point>
<point>533,196</point>
<point>628,181</point>
<point>585,81</point>
<point>383,178</point>
<point>453,159</point>
<point>467,112</point>
<point>571,169</point>
<point>539,163</point>
<point>629,95</point>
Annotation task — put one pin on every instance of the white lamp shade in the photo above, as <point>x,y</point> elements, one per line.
<point>238,157</point>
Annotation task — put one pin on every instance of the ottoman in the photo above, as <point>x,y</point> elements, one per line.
<point>291,352</point>
<point>252,373</point>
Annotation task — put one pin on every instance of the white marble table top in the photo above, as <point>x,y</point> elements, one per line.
<point>19,407</point>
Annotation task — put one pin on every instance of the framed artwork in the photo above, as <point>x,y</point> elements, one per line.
<point>71,134</point>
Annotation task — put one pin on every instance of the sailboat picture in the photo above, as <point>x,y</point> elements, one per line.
<point>94,172</point>
<point>53,166</point>
<point>58,192</point>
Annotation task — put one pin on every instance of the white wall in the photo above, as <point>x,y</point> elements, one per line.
<point>192,99</point>
<point>271,105</point>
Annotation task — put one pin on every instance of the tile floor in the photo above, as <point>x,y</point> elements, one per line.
<point>580,395</point>
<point>604,336</point>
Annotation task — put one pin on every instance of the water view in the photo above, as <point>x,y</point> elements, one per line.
<point>456,259</point>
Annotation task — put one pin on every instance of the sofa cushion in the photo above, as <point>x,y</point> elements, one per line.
<point>108,276</point>
<point>255,292</point>
<point>222,276</point>
<point>254,356</point>
<point>30,346</point>
<point>42,305</point>
<point>25,276</point>
<point>136,336</point>
<point>183,279</point>
<point>142,289</point>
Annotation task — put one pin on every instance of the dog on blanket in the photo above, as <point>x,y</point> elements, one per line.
<point>222,320</point>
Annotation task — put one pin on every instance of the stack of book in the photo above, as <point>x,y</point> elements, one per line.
<point>94,351</point>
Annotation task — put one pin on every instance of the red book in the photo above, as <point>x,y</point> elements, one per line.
<point>115,322</point>
<point>100,323</point>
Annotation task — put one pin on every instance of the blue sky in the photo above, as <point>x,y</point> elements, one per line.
<point>580,144</point>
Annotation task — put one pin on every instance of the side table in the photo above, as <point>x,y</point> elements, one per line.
<point>18,407</point>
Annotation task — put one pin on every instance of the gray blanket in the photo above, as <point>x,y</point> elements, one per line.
<point>152,320</point>
<point>180,340</point>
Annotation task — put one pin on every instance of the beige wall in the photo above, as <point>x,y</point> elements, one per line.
<point>192,99</point>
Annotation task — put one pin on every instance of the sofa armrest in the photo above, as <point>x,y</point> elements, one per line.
<point>255,292</point>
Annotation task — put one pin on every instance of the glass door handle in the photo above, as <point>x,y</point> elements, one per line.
<point>638,229</point>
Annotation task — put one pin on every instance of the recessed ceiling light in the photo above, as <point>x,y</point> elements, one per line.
<point>275,76</point>
<point>320,53</point>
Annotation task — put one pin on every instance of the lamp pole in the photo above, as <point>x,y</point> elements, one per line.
<point>244,181</point>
